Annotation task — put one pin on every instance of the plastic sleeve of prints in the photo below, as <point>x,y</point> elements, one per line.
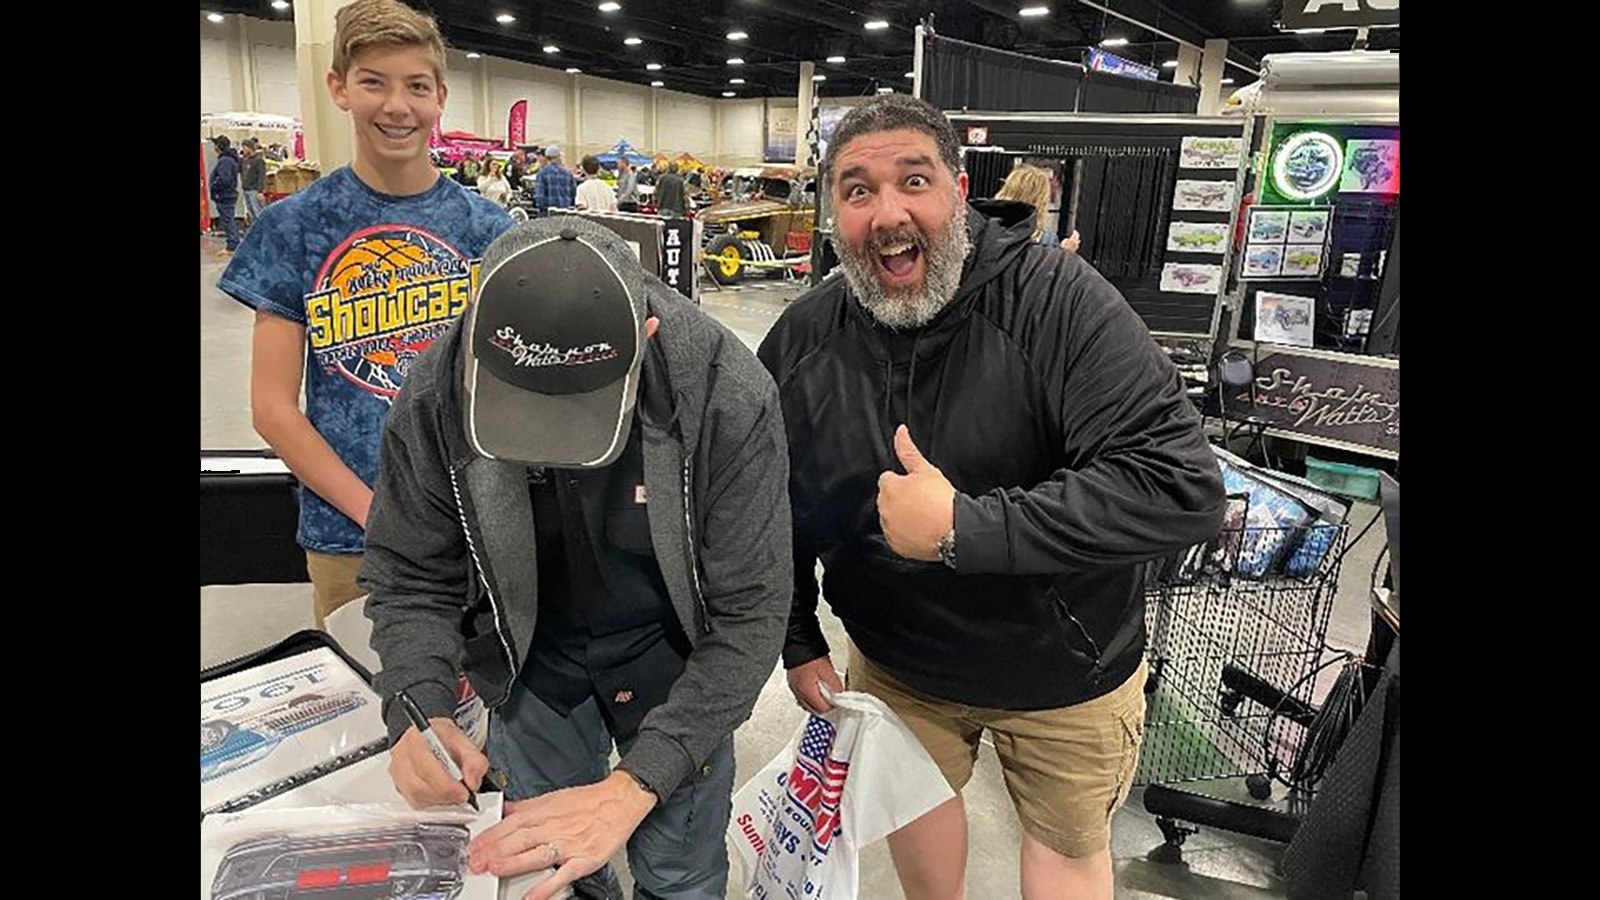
<point>269,791</point>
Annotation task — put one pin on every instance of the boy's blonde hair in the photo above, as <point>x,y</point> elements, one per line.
<point>1030,185</point>
<point>384,23</point>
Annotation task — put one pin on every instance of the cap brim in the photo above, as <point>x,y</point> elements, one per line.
<point>563,430</point>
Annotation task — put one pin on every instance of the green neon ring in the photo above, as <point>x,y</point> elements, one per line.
<point>1295,142</point>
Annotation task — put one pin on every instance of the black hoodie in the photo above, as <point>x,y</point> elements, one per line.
<point>1075,454</point>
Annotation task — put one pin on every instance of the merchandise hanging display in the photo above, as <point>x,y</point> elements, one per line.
<point>1154,200</point>
<point>1325,212</point>
<point>1321,231</point>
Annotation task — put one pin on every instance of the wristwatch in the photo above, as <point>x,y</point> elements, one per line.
<point>947,549</point>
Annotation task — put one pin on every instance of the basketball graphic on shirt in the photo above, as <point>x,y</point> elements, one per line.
<point>381,298</point>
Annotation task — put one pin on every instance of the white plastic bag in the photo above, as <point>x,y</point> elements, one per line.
<point>845,781</point>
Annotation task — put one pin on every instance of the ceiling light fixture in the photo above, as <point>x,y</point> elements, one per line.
<point>608,6</point>
<point>736,81</point>
<point>728,94</point>
<point>735,61</point>
<point>657,83</point>
<point>1031,11</point>
<point>911,74</point>
<point>551,48</point>
<point>836,59</point>
<point>214,17</point>
<point>505,18</point>
<point>1170,64</point>
<point>633,41</point>
<point>737,35</point>
<point>654,67</point>
<point>573,71</point>
<point>474,56</point>
<point>876,25</point>
<point>885,90</point>
<point>819,78</point>
<point>280,5</point>
<point>1114,42</point>
<point>1227,81</point>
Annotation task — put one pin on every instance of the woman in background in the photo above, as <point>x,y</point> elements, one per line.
<point>1031,185</point>
<point>492,184</point>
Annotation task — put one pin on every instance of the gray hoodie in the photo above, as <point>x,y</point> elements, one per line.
<point>450,539</point>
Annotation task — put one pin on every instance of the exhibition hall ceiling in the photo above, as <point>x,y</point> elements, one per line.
<point>694,45</point>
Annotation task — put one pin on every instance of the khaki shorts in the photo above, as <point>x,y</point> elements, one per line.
<point>333,582</point>
<point>1067,769</point>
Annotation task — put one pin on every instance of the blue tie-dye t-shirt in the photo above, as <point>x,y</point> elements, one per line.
<point>374,279</point>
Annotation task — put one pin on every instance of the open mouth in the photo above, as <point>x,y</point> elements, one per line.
<point>396,132</point>
<point>899,259</point>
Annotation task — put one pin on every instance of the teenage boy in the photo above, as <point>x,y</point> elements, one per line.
<point>352,278</point>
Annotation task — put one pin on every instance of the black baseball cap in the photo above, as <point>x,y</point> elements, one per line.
<point>554,341</point>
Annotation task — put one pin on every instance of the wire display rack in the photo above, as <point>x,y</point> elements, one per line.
<point>1233,658</point>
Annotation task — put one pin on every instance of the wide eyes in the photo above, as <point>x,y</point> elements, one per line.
<point>857,191</point>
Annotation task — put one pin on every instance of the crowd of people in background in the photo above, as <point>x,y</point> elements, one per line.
<point>541,179</point>
<point>240,173</point>
<point>536,178</point>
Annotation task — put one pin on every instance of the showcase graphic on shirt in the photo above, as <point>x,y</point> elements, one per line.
<point>381,298</point>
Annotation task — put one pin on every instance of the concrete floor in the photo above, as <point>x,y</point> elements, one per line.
<point>1217,864</point>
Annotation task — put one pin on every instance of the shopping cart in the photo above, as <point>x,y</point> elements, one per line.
<point>1234,660</point>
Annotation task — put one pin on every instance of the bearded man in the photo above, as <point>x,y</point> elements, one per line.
<point>985,446</point>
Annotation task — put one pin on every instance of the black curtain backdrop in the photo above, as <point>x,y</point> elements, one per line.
<point>957,75</point>
<point>1103,92</point>
<point>1123,205</point>
<point>987,171</point>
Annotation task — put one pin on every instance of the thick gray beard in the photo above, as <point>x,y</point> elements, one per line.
<point>911,307</point>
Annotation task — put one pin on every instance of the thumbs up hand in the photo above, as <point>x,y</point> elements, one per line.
<point>916,509</point>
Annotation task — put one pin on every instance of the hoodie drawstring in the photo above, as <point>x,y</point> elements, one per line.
<point>911,378</point>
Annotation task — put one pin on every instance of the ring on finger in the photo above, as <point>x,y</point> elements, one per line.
<point>555,854</point>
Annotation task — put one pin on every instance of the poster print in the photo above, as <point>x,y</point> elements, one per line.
<point>1371,167</point>
<point>355,851</point>
<point>279,720</point>
<point>1302,261</point>
<point>1263,260</point>
<point>1198,237</point>
<point>1203,196</point>
<point>1188,278</point>
<point>1309,226</point>
<point>1211,153</point>
<point>1284,319</point>
<point>1268,225</point>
